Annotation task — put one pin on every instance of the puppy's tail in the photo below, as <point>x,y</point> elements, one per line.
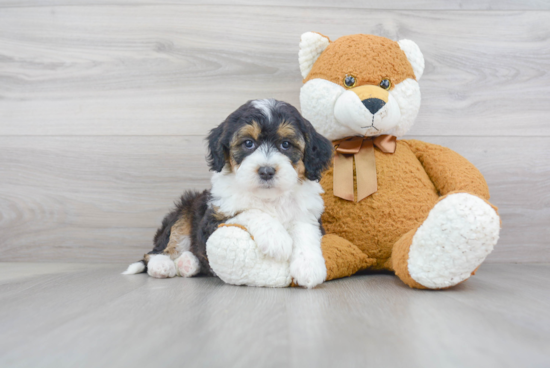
<point>137,267</point>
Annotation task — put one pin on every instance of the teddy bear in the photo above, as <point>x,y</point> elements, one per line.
<point>411,207</point>
<point>407,206</point>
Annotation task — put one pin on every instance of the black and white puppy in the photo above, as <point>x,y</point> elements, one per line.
<point>267,161</point>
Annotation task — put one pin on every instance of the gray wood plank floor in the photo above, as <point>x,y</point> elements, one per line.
<point>74,315</point>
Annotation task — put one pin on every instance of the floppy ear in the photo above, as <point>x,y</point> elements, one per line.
<point>311,46</point>
<point>317,153</point>
<point>414,55</point>
<point>216,152</point>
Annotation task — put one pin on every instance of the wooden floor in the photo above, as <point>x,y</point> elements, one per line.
<point>71,315</point>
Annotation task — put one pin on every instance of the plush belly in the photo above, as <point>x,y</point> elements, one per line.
<point>405,196</point>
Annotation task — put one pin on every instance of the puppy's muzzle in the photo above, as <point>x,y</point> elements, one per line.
<point>372,97</point>
<point>266,172</point>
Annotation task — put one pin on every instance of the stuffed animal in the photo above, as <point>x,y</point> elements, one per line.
<point>411,207</point>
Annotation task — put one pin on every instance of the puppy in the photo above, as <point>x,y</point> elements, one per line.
<point>267,161</point>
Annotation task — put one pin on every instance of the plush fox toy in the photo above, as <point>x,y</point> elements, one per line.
<point>415,208</point>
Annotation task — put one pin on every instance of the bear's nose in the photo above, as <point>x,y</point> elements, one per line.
<point>266,172</point>
<point>373,104</point>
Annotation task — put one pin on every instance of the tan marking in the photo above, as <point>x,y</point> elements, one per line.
<point>247,131</point>
<point>288,131</point>
<point>366,92</point>
<point>146,258</point>
<point>218,215</point>
<point>300,169</point>
<point>368,58</point>
<point>236,225</point>
<point>179,230</point>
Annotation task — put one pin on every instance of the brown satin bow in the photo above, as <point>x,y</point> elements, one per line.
<point>362,148</point>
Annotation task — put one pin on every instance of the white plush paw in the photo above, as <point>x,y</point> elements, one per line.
<point>236,259</point>
<point>187,264</point>
<point>161,267</point>
<point>459,233</point>
<point>274,242</point>
<point>308,269</point>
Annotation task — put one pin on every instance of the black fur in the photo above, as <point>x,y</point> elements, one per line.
<point>216,152</point>
<point>192,205</point>
<point>318,151</point>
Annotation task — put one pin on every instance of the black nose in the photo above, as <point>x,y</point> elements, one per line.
<point>266,172</point>
<point>373,104</point>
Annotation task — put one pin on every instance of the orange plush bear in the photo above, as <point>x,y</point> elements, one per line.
<point>415,208</point>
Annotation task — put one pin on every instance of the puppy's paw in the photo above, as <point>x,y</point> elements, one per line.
<point>275,243</point>
<point>188,265</point>
<point>161,267</point>
<point>308,269</point>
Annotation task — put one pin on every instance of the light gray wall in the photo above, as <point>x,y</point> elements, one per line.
<point>104,106</point>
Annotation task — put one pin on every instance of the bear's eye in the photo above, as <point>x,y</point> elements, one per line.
<point>386,84</point>
<point>248,144</point>
<point>349,81</point>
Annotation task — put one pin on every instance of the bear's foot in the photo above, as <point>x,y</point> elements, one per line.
<point>236,259</point>
<point>459,233</point>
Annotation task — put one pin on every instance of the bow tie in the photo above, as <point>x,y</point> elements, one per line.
<point>362,148</point>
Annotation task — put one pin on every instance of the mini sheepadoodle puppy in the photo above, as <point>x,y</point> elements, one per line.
<point>267,161</point>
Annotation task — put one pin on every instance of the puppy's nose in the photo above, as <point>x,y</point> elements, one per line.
<point>266,172</point>
<point>373,104</point>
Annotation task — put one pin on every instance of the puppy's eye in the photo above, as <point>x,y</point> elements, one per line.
<point>349,81</point>
<point>285,145</point>
<point>386,84</point>
<point>248,144</point>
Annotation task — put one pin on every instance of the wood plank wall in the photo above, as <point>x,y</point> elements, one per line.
<point>104,106</point>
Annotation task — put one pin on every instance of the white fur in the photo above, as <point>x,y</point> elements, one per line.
<point>272,214</point>
<point>407,96</point>
<point>336,112</point>
<point>311,46</point>
<point>414,55</point>
<point>247,178</point>
<point>269,233</point>
<point>265,106</point>
<point>184,244</point>
<point>459,233</point>
<point>307,265</point>
<point>317,100</point>
<point>161,266</point>
<point>134,268</point>
<point>187,264</point>
<point>350,111</point>
<point>237,260</point>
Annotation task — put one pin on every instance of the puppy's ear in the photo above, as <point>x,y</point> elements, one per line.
<point>216,152</point>
<point>317,154</point>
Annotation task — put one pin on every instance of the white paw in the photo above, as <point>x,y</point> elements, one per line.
<point>274,242</point>
<point>236,259</point>
<point>187,264</point>
<point>308,269</point>
<point>455,239</point>
<point>161,267</point>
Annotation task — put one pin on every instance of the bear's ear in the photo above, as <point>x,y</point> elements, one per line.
<point>414,55</point>
<point>311,46</point>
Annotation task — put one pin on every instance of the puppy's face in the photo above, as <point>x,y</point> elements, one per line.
<point>269,147</point>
